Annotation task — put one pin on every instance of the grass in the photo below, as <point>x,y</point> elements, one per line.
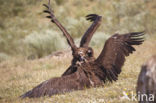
<point>18,75</point>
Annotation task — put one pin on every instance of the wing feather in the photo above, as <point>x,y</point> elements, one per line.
<point>96,19</point>
<point>114,52</point>
<point>58,85</point>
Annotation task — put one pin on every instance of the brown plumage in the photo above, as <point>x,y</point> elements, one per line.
<point>86,71</point>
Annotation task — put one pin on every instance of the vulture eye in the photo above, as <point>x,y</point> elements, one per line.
<point>89,52</point>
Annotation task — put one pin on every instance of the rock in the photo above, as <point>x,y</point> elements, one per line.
<point>146,85</point>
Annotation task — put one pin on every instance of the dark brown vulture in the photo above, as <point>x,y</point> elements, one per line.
<point>86,70</point>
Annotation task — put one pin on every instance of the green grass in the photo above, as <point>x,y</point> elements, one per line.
<point>19,75</point>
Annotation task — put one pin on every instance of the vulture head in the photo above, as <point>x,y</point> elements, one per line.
<point>83,55</point>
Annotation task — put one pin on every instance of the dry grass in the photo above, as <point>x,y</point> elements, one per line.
<point>18,75</point>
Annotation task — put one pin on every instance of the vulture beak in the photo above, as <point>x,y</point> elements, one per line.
<point>82,59</point>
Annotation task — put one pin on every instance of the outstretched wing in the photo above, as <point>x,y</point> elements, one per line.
<point>89,33</point>
<point>75,81</point>
<point>54,20</point>
<point>113,54</point>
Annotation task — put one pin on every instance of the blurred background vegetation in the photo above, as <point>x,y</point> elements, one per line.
<point>25,31</point>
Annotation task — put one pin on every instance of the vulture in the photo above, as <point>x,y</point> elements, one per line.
<point>85,70</point>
